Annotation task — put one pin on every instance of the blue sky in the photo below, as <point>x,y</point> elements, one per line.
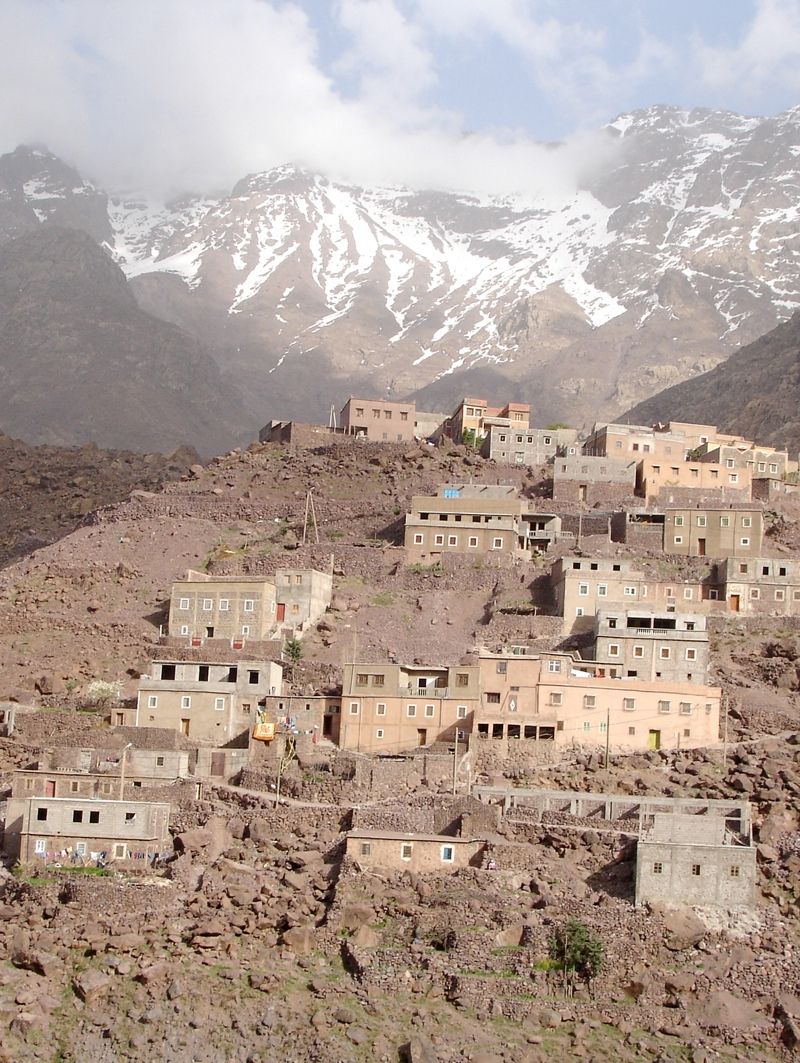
<point>191,94</point>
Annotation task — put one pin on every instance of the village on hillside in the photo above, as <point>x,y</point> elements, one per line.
<point>445,698</point>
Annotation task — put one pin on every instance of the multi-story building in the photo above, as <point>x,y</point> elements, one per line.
<point>634,442</point>
<point>418,853</point>
<point>379,420</point>
<point>74,829</point>
<point>651,644</point>
<point>761,585</point>
<point>713,531</point>
<point>525,446</point>
<point>582,587</point>
<point>655,477</point>
<point>558,697</point>
<point>475,519</point>
<point>100,773</point>
<point>245,608</point>
<point>473,418</point>
<point>388,708</point>
<point>758,461</point>
<point>211,702</point>
<point>590,478</point>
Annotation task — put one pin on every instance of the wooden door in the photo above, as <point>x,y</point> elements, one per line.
<point>734,600</point>
<point>280,613</point>
<point>701,547</point>
<point>50,788</point>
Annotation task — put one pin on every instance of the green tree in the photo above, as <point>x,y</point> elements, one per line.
<point>293,652</point>
<point>469,437</point>
<point>577,950</point>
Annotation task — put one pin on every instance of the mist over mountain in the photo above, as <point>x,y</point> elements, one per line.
<point>304,290</point>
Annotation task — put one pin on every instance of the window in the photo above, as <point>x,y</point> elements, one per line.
<point>755,592</point>
<point>418,539</point>
<point>589,701</point>
<point>603,727</point>
<point>493,698</point>
<point>224,605</point>
<point>664,653</point>
<point>773,467</point>
<point>448,854</point>
<point>613,649</point>
<point>554,666</point>
<point>497,544</point>
<point>438,540</point>
<point>406,849</point>
<point>411,710</point>
<point>152,701</point>
<point>105,787</point>
<point>354,708</point>
<point>678,540</point>
<point>461,712</point>
<point>579,611</point>
<point>365,849</point>
<point>779,595</point>
<point>472,541</point>
<point>658,867</point>
<point>120,851</point>
<point>729,463</point>
<point>184,629</point>
<point>744,542</point>
<point>629,592</point>
<point>379,733</point>
<point>387,415</point>
<point>556,697</point>
<point>629,704</point>
<point>184,603</point>
<point>77,815</point>
<point>685,708</point>
<point>380,709</point>
<point>734,871</point>
<point>583,589</point>
<point>452,540</point>
<point>80,848</point>
<point>252,676</point>
<point>586,726</point>
<point>679,522</point>
<point>219,704</point>
<point>733,478</point>
<point>40,846</point>
<point>41,814</point>
<point>94,817</point>
<point>249,605</point>
<point>430,710</point>
<point>695,869</point>
<point>631,730</point>
<point>724,522</point>
<point>362,679</point>
<point>186,702</point>
<point>687,592</point>
<point>747,522</point>
<point>160,762</point>
<point>208,603</point>
<point>462,679</point>
<point>664,706</point>
<point>638,651</point>
<point>691,655</point>
<point>245,629</point>
<point>602,590</point>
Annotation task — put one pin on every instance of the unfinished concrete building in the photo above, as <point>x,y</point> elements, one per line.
<point>210,702</point>
<point>761,586</point>
<point>657,479</point>
<point>68,830</point>
<point>684,859</point>
<point>525,446</point>
<point>100,773</point>
<point>649,644</point>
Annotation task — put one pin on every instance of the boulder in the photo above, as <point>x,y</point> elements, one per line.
<point>366,938</point>
<point>299,939</point>
<point>684,929</point>
<point>91,985</point>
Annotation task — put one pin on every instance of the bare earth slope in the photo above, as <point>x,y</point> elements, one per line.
<point>755,393</point>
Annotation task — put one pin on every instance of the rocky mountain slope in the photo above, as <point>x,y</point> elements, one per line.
<point>82,361</point>
<point>46,491</point>
<point>680,245</point>
<point>756,392</point>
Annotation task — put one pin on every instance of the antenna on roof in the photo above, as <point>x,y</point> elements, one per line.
<point>310,512</point>
<point>332,418</point>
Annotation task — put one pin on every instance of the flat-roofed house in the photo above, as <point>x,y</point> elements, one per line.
<point>650,644</point>
<point>419,853</point>
<point>379,420</point>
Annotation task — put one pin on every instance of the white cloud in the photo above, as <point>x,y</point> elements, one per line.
<point>180,94</point>
<point>767,55</point>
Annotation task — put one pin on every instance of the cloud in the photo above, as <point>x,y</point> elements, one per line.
<point>175,95</point>
<point>766,56</point>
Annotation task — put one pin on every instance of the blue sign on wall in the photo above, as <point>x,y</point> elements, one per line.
<point>451,492</point>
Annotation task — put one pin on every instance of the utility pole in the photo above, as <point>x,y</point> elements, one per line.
<point>725,732</point>
<point>122,771</point>
<point>455,762</point>
<point>310,512</point>
<point>608,733</point>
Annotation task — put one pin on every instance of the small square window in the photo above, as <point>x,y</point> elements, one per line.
<point>219,704</point>
<point>224,605</point>
<point>94,817</point>
<point>208,603</point>
<point>152,701</point>
<point>354,708</point>
<point>40,846</point>
<point>379,732</point>
<point>380,709</point>
<point>184,603</point>
<point>418,539</point>
<point>461,712</point>
<point>186,702</point>
<point>41,814</point>
<point>734,871</point>
<point>77,815</point>
<point>448,854</point>
<point>411,710</point>
<point>365,849</point>
<point>696,870</point>
<point>406,850</point>
<point>249,605</point>
<point>658,867</point>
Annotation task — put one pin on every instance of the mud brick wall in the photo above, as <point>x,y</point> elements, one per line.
<point>504,755</point>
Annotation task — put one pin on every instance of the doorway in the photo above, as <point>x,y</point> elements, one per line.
<point>735,601</point>
<point>280,612</point>
<point>422,736</point>
<point>581,492</point>
<point>185,727</point>
<point>50,788</point>
<point>701,547</point>
<point>654,740</point>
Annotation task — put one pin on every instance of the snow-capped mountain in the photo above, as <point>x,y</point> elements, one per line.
<point>682,248</point>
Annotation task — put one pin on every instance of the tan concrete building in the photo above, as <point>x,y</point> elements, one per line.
<point>557,697</point>
<point>633,442</point>
<point>651,644</point>
<point>203,606</point>
<point>713,531</point>
<point>389,708</point>
<point>589,478</point>
<point>654,476</point>
<point>206,701</point>
<point>101,773</point>
<point>473,418</point>
<point>379,420</point>
<point>584,586</point>
<point>246,608</point>
<point>67,830</point>
<point>317,715</point>
<point>761,586</point>
<point>419,853</point>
